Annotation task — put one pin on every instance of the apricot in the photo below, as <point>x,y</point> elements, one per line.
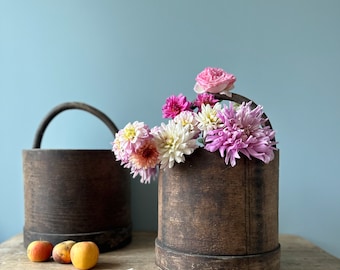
<point>61,251</point>
<point>39,251</point>
<point>84,255</point>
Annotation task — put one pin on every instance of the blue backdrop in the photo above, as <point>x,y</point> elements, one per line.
<point>126,57</point>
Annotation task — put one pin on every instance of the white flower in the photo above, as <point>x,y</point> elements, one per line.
<point>188,119</point>
<point>174,141</point>
<point>207,118</point>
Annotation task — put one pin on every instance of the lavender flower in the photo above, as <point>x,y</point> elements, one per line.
<point>242,132</point>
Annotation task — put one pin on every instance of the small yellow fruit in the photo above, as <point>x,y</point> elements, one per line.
<point>39,251</point>
<point>61,251</point>
<point>84,255</point>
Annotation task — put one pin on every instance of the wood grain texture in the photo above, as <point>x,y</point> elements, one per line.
<point>79,194</point>
<point>218,212</point>
<point>83,194</point>
<point>296,254</point>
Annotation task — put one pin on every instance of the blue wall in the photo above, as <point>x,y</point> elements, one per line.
<point>126,57</point>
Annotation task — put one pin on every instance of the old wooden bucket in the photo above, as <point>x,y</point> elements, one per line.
<point>76,194</point>
<point>213,216</point>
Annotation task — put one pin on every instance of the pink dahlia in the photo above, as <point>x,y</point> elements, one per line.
<point>144,160</point>
<point>135,148</point>
<point>129,138</point>
<point>174,105</point>
<point>205,99</point>
<point>145,156</point>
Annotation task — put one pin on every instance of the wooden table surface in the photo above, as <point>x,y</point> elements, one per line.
<point>296,254</point>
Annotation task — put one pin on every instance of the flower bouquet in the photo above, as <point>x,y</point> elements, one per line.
<point>231,129</point>
<point>217,168</point>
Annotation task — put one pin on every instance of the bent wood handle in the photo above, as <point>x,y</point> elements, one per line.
<point>67,106</point>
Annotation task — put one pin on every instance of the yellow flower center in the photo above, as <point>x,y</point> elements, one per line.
<point>169,142</point>
<point>184,122</point>
<point>129,133</point>
<point>211,117</point>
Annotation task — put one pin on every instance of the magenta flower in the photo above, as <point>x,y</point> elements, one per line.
<point>174,105</point>
<point>205,99</point>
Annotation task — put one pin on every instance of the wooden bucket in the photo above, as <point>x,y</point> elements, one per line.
<point>76,194</point>
<point>213,216</point>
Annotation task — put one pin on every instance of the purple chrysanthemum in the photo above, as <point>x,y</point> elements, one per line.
<point>243,131</point>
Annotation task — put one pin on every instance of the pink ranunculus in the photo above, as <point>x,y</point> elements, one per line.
<point>214,80</point>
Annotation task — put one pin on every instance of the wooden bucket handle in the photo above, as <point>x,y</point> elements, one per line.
<point>66,106</point>
<point>239,99</point>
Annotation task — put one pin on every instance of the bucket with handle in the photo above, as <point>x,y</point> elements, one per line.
<point>80,195</point>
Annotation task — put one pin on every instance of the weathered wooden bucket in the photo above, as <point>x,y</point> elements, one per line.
<point>76,194</point>
<point>213,216</point>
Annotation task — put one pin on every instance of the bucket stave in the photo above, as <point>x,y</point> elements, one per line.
<point>75,194</point>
